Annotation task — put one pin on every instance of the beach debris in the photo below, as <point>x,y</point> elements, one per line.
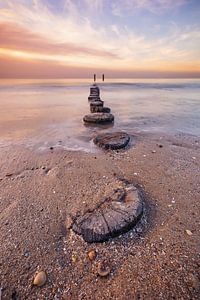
<point>112,140</point>
<point>51,148</point>
<point>92,254</point>
<point>115,214</point>
<point>103,268</point>
<point>153,151</point>
<point>98,118</point>
<point>40,278</point>
<point>188,232</point>
<point>9,174</point>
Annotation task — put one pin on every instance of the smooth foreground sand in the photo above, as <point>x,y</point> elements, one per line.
<point>156,260</point>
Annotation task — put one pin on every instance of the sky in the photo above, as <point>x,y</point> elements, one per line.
<point>121,38</point>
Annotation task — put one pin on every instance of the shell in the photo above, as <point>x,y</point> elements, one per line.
<point>188,232</point>
<point>103,269</point>
<point>40,278</point>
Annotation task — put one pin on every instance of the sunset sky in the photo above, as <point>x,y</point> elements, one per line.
<point>122,38</point>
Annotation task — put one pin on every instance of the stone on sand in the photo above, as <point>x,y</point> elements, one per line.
<point>40,278</point>
<point>92,254</point>
<point>112,140</point>
<point>98,118</point>
<point>116,214</point>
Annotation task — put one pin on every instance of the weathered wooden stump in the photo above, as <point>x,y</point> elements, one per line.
<point>95,90</point>
<point>94,93</point>
<point>96,103</point>
<point>96,109</point>
<point>112,140</point>
<point>116,214</point>
<point>94,98</point>
<point>99,118</point>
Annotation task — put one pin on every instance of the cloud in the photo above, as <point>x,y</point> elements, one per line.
<point>32,30</point>
<point>121,7</point>
<point>15,37</point>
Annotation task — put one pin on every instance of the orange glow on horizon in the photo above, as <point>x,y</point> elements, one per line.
<point>87,63</point>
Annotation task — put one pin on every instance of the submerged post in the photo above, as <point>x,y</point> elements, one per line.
<point>94,77</point>
<point>103,77</point>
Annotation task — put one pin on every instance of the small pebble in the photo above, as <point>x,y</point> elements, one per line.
<point>92,254</point>
<point>73,258</point>
<point>26,253</point>
<point>40,278</point>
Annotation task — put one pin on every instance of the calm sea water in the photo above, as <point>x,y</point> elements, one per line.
<point>49,112</point>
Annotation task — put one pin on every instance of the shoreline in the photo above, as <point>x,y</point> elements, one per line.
<point>38,190</point>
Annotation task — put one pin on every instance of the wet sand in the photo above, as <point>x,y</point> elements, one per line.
<point>158,259</point>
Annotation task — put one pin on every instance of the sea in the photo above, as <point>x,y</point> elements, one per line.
<point>49,113</point>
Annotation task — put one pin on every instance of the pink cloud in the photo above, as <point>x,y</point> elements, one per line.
<point>15,37</point>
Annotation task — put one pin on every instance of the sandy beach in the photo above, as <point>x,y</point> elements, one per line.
<point>39,190</point>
